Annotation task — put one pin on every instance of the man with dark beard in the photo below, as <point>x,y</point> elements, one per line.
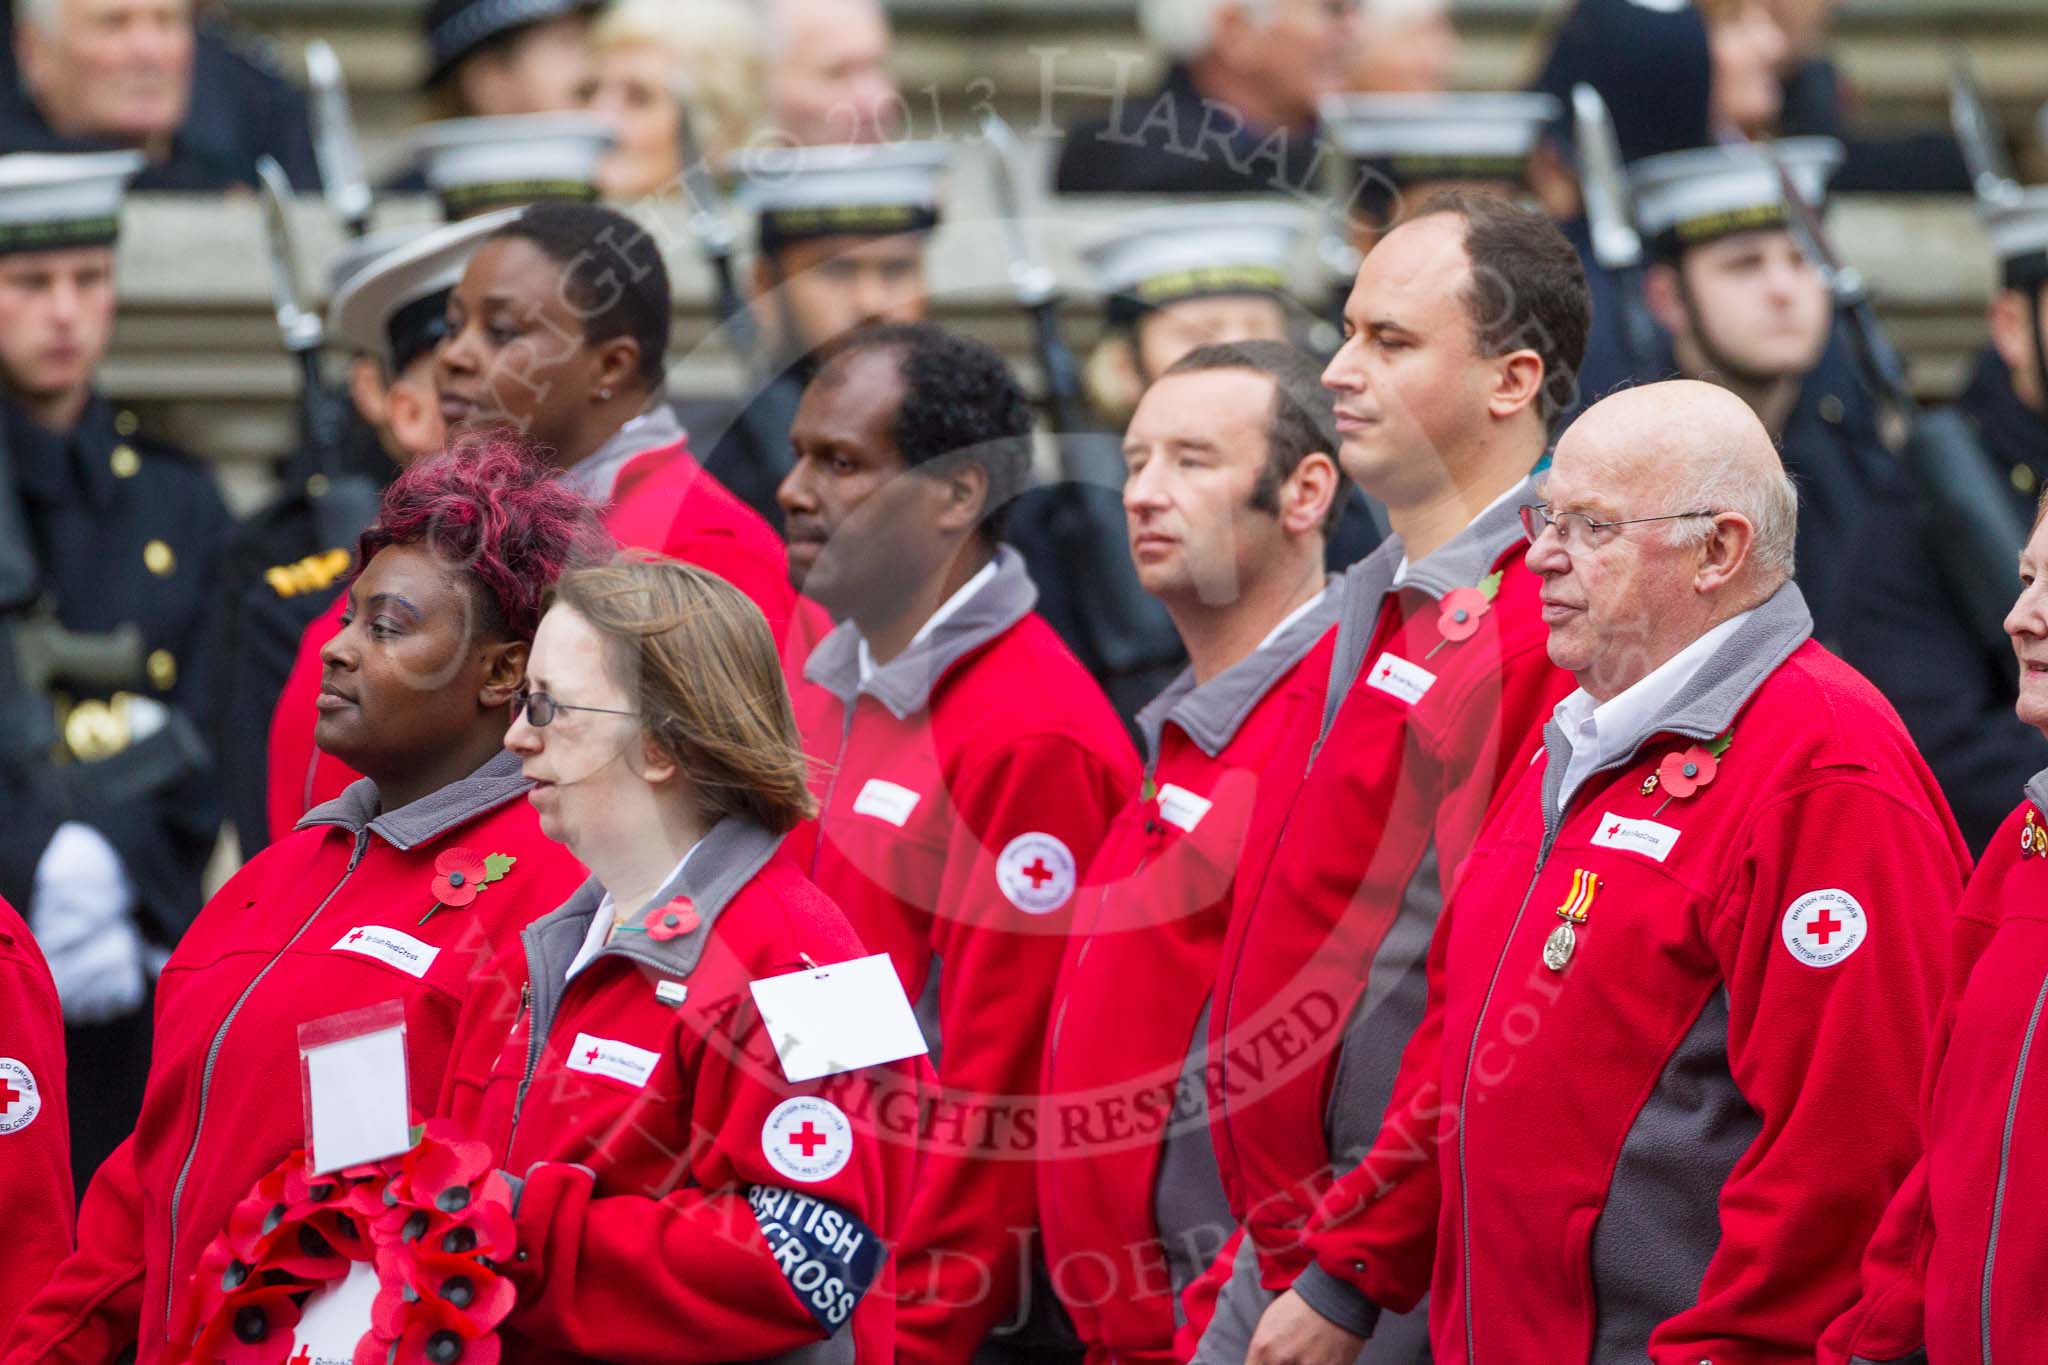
<point>841,235</point>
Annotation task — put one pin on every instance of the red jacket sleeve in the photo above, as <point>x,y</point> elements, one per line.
<point>708,1271</point>
<point>89,1307</point>
<point>1888,1321</point>
<point>1829,1057</point>
<point>974,1214</point>
<point>36,1200</point>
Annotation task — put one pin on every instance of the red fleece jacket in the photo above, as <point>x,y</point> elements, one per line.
<point>324,921</point>
<point>36,1202</point>
<point>1675,1141</point>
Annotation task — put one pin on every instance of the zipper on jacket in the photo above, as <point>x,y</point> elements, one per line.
<point>213,1056</point>
<point>2012,1108</point>
<point>832,783</point>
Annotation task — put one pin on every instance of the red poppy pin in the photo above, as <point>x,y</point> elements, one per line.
<point>673,920</point>
<point>460,874</point>
<point>1685,771</point>
<point>1459,613</point>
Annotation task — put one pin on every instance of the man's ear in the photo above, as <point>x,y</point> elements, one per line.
<point>1725,554</point>
<point>1519,385</point>
<point>965,489</point>
<point>369,391</point>
<point>31,57</point>
<point>2010,322</point>
<point>504,673</point>
<point>1666,301</point>
<point>1305,498</point>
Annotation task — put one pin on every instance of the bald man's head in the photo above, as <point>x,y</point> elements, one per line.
<point>1711,516</point>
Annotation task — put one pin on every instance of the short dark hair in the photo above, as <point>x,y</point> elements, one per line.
<point>611,274</point>
<point>1528,289</point>
<point>960,402</point>
<point>1302,420</point>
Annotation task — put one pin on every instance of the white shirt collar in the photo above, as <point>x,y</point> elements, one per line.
<point>1601,732</point>
<point>1291,617</point>
<point>1401,569</point>
<point>946,609</point>
<point>601,923</point>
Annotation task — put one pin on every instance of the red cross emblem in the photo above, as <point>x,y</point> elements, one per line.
<point>808,1138</point>
<point>1824,928</point>
<point>304,1357</point>
<point>591,1055</point>
<point>356,935</point>
<point>1038,873</point>
<point>1613,830</point>
<point>1386,670</point>
<point>8,1095</point>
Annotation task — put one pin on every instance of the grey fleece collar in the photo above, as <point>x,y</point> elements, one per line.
<point>1460,563</point>
<point>595,475</point>
<point>734,850</point>
<point>1706,705</point>
<point>1211,714</point>
<point>355,810</point>
<point>2037,790</point>
<point>905,683</point>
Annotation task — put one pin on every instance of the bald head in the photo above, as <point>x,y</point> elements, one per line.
<point>1714,524</point>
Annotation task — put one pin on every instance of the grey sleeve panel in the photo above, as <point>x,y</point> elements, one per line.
<point>837,1349</point>
<point>1917,1358</point>
<point>927,1009</point>
<point>1238,1310</point>
<point>1188,1204</point>
<point>1661,1223</point>
<point>1337,1300</point>
<point>1397,988</point>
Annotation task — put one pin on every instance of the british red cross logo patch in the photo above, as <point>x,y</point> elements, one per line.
<point>807,1138</point>
<point>1036,873</point>
<point>1822,928</point>
<point>21,1099</point>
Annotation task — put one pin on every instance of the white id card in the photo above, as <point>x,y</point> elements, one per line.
<point>357,1101</point>
<point>838,1018</point>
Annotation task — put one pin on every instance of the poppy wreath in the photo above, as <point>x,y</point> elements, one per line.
<point>432,1221</point>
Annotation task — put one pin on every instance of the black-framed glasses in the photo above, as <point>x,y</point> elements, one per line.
<point>540,709</point>
<point>1578,528</point>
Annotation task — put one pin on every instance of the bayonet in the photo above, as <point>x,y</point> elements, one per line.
<point>1617,246</point>
<point>334,139</point>
<point>1978,134</point>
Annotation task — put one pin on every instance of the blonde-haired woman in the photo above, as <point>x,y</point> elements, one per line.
<point>679,1198</point>
<point>652,59</point>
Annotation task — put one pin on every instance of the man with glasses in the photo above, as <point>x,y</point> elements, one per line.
<point>1668,1076</point>
<point>1464,330</point>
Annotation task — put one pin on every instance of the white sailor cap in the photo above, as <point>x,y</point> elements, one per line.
<point>52,200</point>
<point>1181,251</point>
<point>393,306</point>
<point>1685,198</point>
<point>1413,138</point>
<point>2019,235</point>
<point>480,164</point>
<point>868,191</point>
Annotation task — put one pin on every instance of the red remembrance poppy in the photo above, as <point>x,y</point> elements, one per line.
<point>1460,610</point>
<point>1682,774</point>
<point>673,920</point>
<point>458,876</point>
<point>252,1328</point>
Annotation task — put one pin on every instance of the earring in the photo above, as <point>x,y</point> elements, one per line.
<point>605,392</point>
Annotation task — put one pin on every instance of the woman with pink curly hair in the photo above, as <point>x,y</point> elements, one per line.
<point>396,891</point>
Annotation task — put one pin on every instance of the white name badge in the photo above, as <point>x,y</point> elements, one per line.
<point>611,1058</point>
<point>886,801</point>
<point>1400,678</point>
<point>1179,806</point>
<point>838,1018</point>
<point>352,1066</point>
<point>1646,837</point>
<point>392,947</point>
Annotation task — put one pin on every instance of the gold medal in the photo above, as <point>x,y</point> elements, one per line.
<point>2033,838</point>
<point>1564,939</point>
